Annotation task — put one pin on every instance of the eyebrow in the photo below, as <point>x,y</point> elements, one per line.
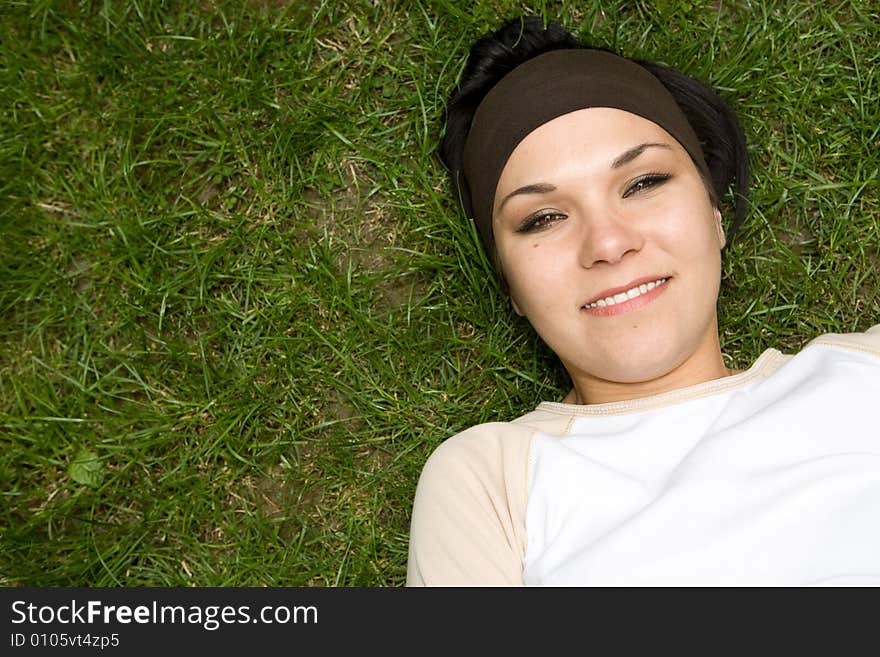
<point>535,188</point>
<point>628,156</point>
<point>624,158</point>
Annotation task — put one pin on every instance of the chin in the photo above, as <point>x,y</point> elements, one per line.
<point>640,366</point>
<point>640,373</point>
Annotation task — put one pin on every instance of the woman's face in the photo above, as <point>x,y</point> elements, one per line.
<point>611,247</point>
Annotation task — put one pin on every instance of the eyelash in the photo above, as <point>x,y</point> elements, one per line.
<point>532,222</point>
<point>649,180</point>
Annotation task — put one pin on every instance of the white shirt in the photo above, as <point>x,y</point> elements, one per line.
<point>775,481</point>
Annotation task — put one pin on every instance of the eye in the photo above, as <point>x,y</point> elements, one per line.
<point>539,221</point>
<point>646,182</point>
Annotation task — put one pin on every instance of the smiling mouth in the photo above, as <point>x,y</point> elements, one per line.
<point>627,295</point>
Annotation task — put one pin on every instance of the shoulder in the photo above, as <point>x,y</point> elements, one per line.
<point>491,446</point>
<point>868,342</point>
<point>480,451</point>
<point>548,418</point>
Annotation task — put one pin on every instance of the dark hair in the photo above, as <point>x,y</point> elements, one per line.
<point>520,39</point>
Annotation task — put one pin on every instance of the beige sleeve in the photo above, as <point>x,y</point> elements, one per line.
<point>468,522</point>
<point>868,341</point>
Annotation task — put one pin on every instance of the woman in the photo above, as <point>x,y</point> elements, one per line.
<point>595,183</point>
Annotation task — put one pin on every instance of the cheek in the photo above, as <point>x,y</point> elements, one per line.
<point>691,230</point>
<point>530,271</point>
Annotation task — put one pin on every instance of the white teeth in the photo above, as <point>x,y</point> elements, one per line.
<point>626,296</point>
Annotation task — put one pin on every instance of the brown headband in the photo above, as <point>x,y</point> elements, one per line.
<point>544,88</point>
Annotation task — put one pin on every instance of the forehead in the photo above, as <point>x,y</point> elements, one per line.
<point>592,137</point>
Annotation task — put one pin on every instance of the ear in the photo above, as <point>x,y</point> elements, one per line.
<point>515,305</point>
<point>505,287</point>
<point>719,229</point>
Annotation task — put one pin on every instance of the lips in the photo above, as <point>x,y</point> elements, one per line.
<point>631,290</point>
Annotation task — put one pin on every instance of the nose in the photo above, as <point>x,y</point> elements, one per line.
<point>608,239</point>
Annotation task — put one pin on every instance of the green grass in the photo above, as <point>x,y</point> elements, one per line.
<point>238,309</point>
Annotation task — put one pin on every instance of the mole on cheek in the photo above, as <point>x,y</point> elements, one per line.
<point>534,246</point>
